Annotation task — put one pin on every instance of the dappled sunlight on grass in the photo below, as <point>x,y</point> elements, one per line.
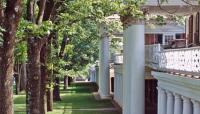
<point>78,96</point>
<point>19,102</point>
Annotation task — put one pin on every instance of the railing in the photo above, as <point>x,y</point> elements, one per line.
<point>118,58</point>
<point>92,74</point>
<point>177,95</point>
<point>152,55</point>
<point>118,84</point>
<point>183,61</point>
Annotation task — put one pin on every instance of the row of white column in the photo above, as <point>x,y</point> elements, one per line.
<point>133,67</point>
<point>104,76</point>
<point>173,103</point>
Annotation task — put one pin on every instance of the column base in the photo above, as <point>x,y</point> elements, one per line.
<point>104,97</point>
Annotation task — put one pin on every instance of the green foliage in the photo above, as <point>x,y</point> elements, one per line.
<point>160,20</point>
<point>27,29</point>
<point>39,30</point>
<point>178,19</point>
<point>20,52</point>
<point>131,9</point>
<point>78,20</point>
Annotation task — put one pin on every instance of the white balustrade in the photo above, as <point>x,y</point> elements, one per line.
<point>177,95</point>
<point>118,58</point>
<point>185,60</point>
<point>169,103</point>
<point>152,55</point>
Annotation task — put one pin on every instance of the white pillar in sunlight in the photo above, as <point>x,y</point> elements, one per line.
<point>104,77</point>
<point>97,73</point>
<point>133,69</point>
<point>178,104</point>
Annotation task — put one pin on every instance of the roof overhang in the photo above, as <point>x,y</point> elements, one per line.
<point>176,7</point>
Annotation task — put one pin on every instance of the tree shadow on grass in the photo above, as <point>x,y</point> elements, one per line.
<point>79,96</point>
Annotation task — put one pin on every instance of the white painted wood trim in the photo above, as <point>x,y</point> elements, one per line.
<point>181,85</point>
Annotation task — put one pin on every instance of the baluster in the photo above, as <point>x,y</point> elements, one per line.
<point>170,102</point>
<point>178,104</point>
<point>162,101</point>
<point>196,107</point>
<point>187,105</point>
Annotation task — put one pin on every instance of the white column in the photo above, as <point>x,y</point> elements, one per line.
<point>170,102</point>
<point>97,74</point>
<point>196,107</point>
<point>94,75</point>
<point>178,105</point>
<point>163,102</point>
<point>133,69</point>
<point>104,78</point>
<point>187,106</point>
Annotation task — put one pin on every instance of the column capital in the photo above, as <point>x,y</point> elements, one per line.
<point>128,21</point>
<point>168,92</point>
<point>186,99</point>
<point>177,96</point>
<point>161,90</point>
<point>103,30</point>
<point>195,102</point>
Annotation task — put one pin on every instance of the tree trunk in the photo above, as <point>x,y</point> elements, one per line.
<point>34,75</point>
<point>62,49</point>
<point>23,76</point>
<point>50,75</point>
<point>50,91</point>
<point>56,90</point>
<point>65,82</point>
<point>17,77</point>
<point>44,76</point>
<point>9,21</point>
<point>70,80</point>
<point>50,99</point>
<point>17,83</point>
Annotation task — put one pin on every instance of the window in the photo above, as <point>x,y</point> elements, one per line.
<point>168,38</point>
<point>178,36</point>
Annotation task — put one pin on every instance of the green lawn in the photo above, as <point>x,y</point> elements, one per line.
<point>78,96</point>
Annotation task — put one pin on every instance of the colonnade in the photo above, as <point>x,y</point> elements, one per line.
<point>174,103</point>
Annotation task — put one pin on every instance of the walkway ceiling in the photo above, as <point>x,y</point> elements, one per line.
<point>174,7</point>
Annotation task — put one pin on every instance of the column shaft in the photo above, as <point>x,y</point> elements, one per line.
<point>133,70</point>
<point>104,77</point>
<point>97,74</point>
